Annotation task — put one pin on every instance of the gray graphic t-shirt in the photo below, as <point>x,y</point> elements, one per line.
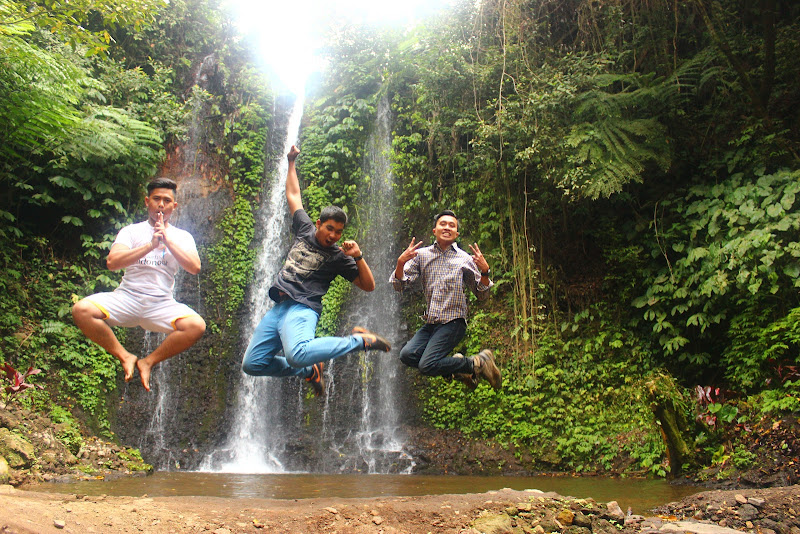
<point>310,268</point>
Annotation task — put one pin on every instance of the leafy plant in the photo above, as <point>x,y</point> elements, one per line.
<point>17,382</point>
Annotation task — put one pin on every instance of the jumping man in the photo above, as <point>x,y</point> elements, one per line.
<point>445,271</point>
<point>151,252</point>
<point>313,262</point>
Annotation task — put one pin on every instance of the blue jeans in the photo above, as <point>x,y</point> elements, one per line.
<point>429,348</point>
<point>290,327</point>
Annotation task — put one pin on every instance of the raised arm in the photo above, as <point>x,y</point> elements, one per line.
<point>481,286</point>
<point>292,183</point>
<point>364,280</point>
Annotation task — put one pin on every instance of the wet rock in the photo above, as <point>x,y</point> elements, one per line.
<point>16,450</point>
<point>767,523</point>
<point>581,520</point>
<point>8,420</point>
<point>565,517</point>
<point>633,519</point>
<point>524,507</point>
<point>614,511</point>
<point>549,525</point>
<point>603,526</point>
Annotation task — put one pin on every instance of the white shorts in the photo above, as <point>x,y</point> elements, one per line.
<point>156,314</point>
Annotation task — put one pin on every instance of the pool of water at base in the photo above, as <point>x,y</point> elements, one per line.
<point>641,495</point>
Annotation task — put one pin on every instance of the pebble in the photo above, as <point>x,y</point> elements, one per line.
<point>59,523</point>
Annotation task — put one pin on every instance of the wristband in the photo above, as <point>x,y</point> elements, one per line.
<point>487,273</point>
<point>359,257</point>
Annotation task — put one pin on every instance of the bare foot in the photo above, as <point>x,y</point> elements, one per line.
<point>144,372</point>
<point>128,364</point>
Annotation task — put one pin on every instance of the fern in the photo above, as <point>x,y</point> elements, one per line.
<point>52,327</point>
<point>612,146</point>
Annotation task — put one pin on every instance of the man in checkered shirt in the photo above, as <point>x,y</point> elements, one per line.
<point>445,271</point>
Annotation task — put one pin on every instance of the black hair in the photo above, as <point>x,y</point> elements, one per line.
<point>333,212</point>
<point>442,214</point>
<point>161,183</point>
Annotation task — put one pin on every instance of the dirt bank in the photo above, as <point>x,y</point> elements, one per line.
<point>765,511</point>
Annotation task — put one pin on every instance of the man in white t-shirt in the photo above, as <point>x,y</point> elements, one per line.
<point>151,252</point>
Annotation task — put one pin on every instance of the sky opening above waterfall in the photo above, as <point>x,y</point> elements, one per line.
<point>288,34</point>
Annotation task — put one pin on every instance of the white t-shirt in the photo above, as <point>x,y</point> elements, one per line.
<point>153,274</point>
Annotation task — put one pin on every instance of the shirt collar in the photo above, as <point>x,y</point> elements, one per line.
<point>437,247</point>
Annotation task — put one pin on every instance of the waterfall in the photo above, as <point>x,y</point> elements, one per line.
<point>368,439</point>
<point>356,426</point>
<point>254,439</point>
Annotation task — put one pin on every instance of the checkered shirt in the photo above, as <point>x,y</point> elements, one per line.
<point>444,276</point>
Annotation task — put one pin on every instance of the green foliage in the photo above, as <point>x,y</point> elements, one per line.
<point>81,22</point>
<point>67,157</point>
<point>781,400</point>
<point>231,256</point>
<point>38,292</point>
<point>332,302</point>
<point>67,430</point>
<point>728,251</point>
<point>582,408</point>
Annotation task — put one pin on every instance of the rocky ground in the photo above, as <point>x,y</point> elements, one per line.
<point>765,511</point>
<point>761,495</point>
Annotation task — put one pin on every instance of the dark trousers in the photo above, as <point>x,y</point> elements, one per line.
<point>429,348</point>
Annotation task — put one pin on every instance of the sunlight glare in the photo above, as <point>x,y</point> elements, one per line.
<point>287,34</point>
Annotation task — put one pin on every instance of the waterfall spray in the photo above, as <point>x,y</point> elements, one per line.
<point>251,447</point>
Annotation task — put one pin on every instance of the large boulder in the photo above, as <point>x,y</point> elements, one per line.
<point>17,451</point>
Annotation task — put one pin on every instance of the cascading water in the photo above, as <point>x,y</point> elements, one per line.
<point>375,443</point>
<point>255,440</point>
<point>355,428</point>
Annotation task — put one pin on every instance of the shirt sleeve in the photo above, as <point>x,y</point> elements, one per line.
<point>349,269</point>
<point>472,277</point>
<point>410,275</point>
<point>301,222</point>
<point>124,237</point>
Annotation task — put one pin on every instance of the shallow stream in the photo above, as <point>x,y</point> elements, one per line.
<point>638,494</point>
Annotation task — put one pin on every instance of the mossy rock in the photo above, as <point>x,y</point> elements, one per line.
<point>17,451</point>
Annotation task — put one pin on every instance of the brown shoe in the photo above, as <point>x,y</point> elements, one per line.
<point>484,366</point>
<point>315,380</point>
<point>372,341</point>
<point>468,379</point>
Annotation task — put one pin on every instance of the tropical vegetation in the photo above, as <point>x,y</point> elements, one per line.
<point>631,170</point>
